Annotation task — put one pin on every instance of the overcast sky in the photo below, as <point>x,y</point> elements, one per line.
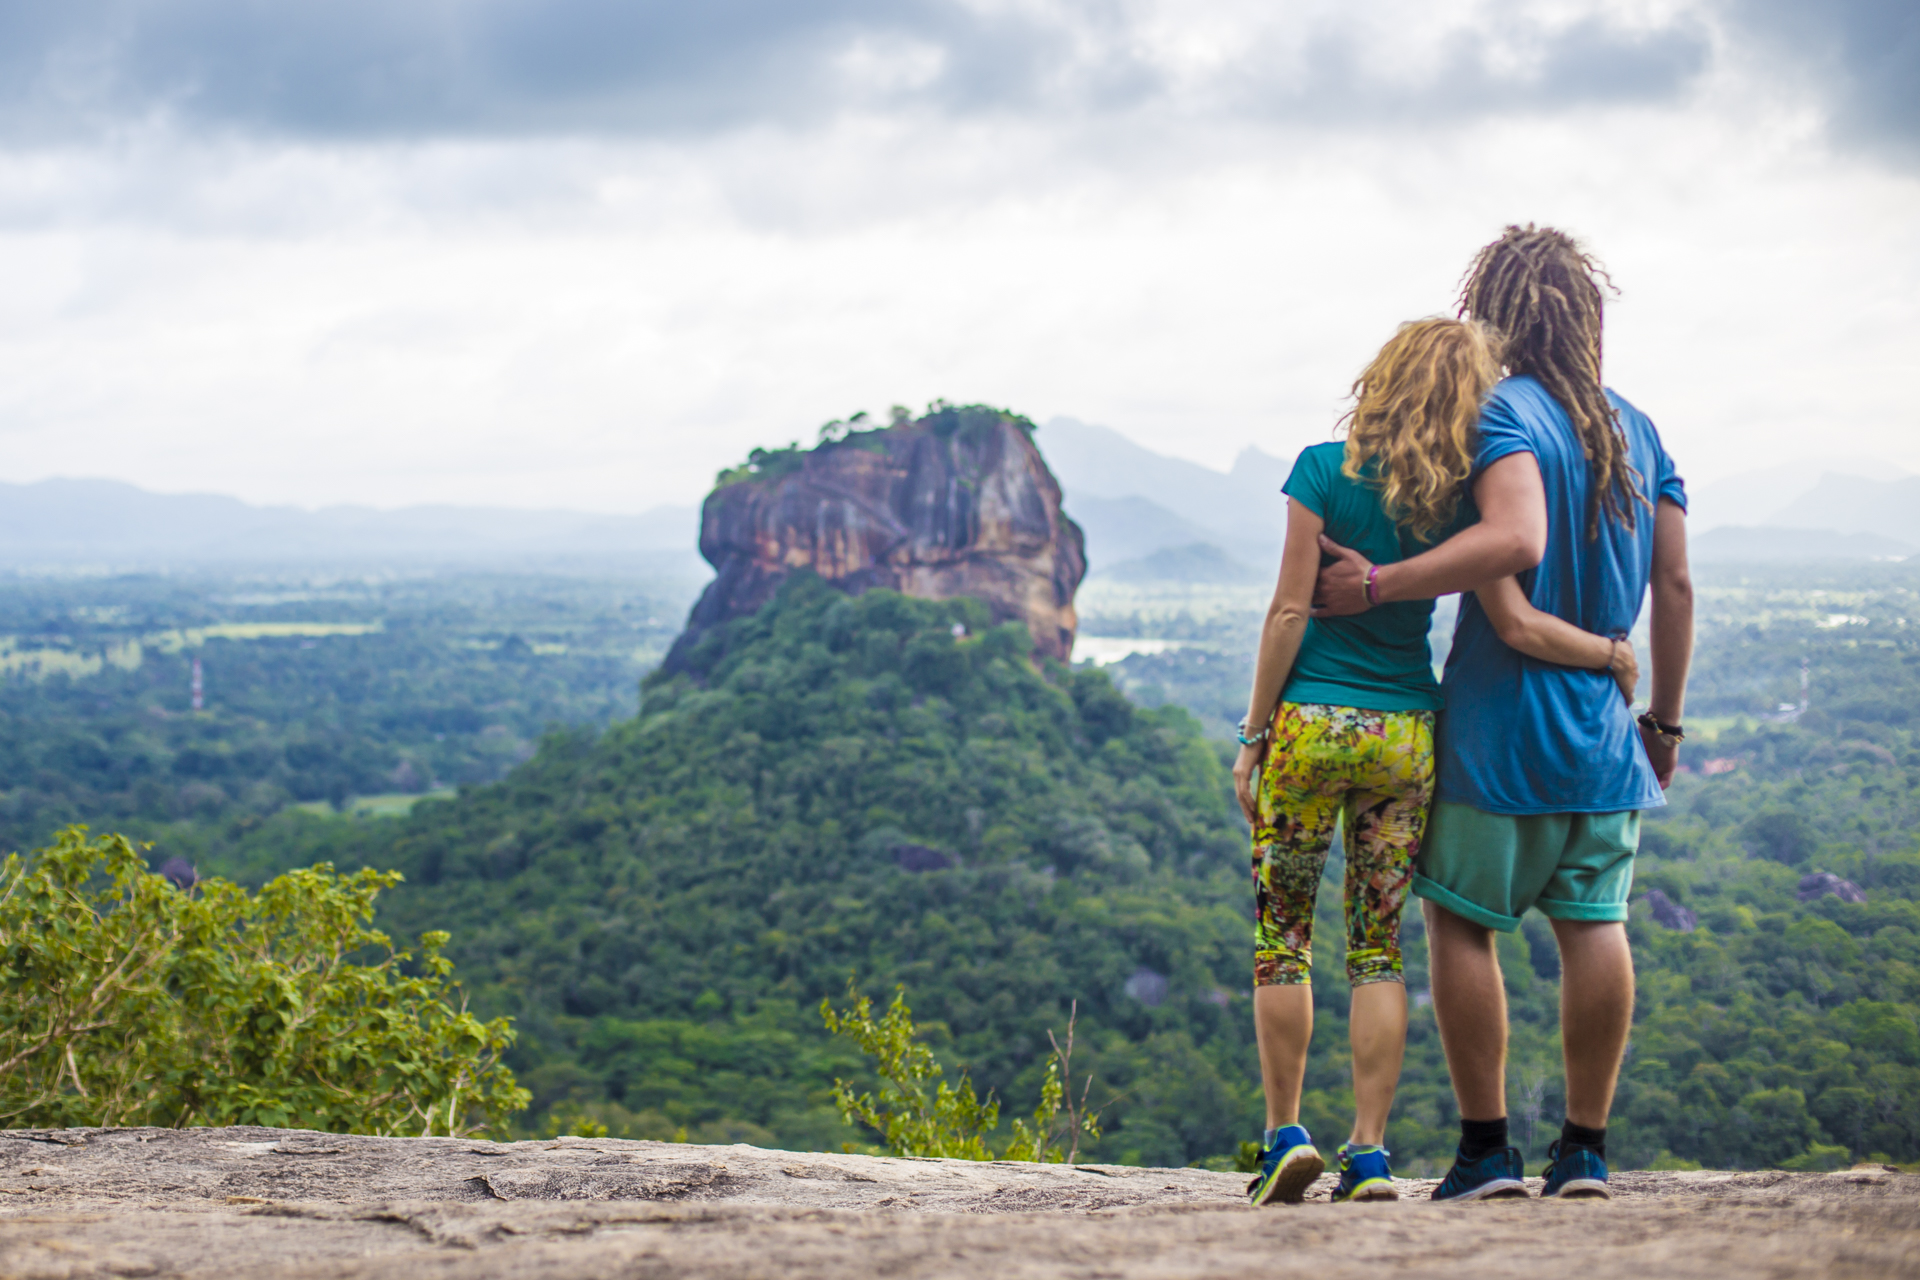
<point>584,253</point>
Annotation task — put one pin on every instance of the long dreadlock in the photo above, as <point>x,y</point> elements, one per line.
<point>1539,293</point>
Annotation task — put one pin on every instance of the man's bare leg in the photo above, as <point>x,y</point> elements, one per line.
<point>1470,1004</point>
<point>1596,1013</point>
<point>1283,1025</point>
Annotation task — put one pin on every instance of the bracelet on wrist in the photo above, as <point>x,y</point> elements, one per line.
<point>1672,733</point>
<point>1240,732</point>
<point>1373,574</point>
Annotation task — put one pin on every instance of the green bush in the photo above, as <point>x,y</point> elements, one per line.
<point>950,1121</point>
<point>126,1001</point>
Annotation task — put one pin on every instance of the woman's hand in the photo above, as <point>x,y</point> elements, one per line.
<point>1625,668</point>
<point>1246,772</point>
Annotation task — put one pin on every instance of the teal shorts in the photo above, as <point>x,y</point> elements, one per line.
<point>1490,867</point>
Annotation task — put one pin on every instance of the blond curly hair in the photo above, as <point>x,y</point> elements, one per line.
<point>1415,408</point>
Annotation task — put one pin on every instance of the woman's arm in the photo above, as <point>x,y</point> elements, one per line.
<point>1279,640</point>
<point>1550,639</point>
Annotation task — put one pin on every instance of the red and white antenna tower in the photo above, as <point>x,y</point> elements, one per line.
<point>199,689</point>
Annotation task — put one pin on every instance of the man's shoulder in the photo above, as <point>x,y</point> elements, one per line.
<point>1516,418</point>
<point>1639,428</point>
<point>1626,407</point>
<point>1520,403</point>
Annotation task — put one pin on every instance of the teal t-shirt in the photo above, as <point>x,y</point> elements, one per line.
<point>1377,660</point>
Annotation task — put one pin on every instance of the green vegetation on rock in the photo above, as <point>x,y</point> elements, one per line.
<point>847,787</point>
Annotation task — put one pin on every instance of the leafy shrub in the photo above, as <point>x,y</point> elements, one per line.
<point>125,1001</point>
<point>948,1122</point>
<point>953,1121</point>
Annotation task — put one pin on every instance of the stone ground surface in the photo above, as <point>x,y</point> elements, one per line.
<point>289,1203</point>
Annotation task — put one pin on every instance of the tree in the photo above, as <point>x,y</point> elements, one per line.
<point>1783,835</point>
<point>125,1001</point>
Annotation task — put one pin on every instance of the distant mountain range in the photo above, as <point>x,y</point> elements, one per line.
<point>105,522</point>
<point>1133,502</point>
<point>1820,509</point>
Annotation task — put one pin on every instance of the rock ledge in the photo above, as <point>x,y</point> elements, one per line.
<point>267,1202</point>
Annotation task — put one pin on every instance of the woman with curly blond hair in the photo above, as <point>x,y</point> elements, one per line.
<point>1339,731</point>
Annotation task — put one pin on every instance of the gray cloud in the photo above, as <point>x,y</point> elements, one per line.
<point>434,68</point>
<point>1863,54</point>
<point>1506,66</point>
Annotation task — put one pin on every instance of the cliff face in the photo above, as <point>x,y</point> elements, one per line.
<point>956,503</point>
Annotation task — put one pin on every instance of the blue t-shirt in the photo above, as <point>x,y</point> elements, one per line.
<point>1520,735</point>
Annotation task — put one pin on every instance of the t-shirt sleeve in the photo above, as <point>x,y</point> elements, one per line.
<point>1500,433</point>
<point>1308,482</point>
<point>1671,486</point>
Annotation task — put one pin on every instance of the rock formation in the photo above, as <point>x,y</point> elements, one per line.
<point>956,503</point>
<point>1819,884</point>
<point>196,1203</point>
<point>1669,914</point>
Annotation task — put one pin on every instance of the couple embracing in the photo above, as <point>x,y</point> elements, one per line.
<point>1515,782</point>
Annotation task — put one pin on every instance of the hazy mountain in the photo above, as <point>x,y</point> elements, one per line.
<point>1889,508</point>
<point>1201,564</point>
<point>1121,530</point>
<point>1171,502</point>
<point>1764,496</point>
<point>77,521</point>
<point>1765,543</point>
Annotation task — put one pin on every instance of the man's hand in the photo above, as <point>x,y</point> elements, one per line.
<point>1341,590</point>
<point>1664,756</point>
<point>1246,768</point>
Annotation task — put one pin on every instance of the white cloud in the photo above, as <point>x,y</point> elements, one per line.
<point>603,319</point>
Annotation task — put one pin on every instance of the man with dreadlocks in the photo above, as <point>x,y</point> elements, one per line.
<point>1542,772</point>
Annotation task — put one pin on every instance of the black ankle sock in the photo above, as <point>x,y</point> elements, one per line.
<point>1482,1137</point>
<point>1578,1135</point>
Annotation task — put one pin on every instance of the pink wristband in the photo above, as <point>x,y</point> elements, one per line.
<point>1372,571</point>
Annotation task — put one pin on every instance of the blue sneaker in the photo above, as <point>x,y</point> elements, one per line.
<point>1576,1173</point>
<point>1364,1175</point>
<point>1287,1168</point>
<point>1498,1175</point>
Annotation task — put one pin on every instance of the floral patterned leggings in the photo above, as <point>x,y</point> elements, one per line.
<point>1376,769</point>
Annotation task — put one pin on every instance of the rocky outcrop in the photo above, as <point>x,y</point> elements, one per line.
<point>1669,914</point>
<point>956,503</point>
<point>323,1206</point>
<point>1819,884</point>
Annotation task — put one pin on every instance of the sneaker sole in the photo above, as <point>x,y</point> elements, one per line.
<point>1378,1189</point>
<point>1497,1189</point>
<point>1582,1189</point>
<point>1292,1178</point>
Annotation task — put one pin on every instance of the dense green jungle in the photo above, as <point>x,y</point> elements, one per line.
<point>886,790</point>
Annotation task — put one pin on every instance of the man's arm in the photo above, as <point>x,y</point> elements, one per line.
<point>1510,538</point>
<point>1671,633</point>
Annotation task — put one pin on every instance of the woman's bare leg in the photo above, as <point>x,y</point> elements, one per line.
<point>1283,1024</point>
<point>1377,1025</point>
